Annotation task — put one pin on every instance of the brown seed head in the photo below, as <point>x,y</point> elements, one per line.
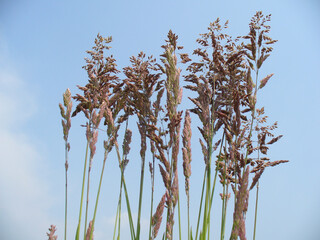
<point>51,233</point>
<point>157,217</point>
<point>126,142</point>
<point>264,81</point>
<point>89,230</point>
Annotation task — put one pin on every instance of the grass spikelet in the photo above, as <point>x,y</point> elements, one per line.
<point>157,217</point>
<point>256,178</point>
<point>264,81</point>
<point>89,234</point>
<point>51,233</point>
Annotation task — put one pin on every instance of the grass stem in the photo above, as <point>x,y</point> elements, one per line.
<point>116,221</point>
<point>179,218</point>
<point>123,183</point>
<point>98,193</point>
<point>81,200</point>
<point>66,193</point>
<point>87,202</point>
<point>201,200</point>
<point>152,192</point>
<point>140,194</point>
<point>255,212</point>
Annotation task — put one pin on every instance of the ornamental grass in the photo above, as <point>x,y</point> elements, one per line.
<point>223,77</point>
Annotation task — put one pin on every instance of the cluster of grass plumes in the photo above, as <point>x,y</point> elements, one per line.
<point>235,137</point>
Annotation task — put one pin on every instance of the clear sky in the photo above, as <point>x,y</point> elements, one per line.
<point>42,46</point>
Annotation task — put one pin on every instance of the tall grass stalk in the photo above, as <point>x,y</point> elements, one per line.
<point>152,193</point>
<point>87,203</point>
<point>92,136</point>
<point>82,191</point>
<point>208,194</point>
<point>116,222</point>
<point>65,111</point>
<point>119,206</point>
<point>216,174</point>
<point>206,216</point>
<point>143,159</point>
<point>98,193</point>
<point>224,197</point>
<point>66,194</point>
<point>179,218</point>
<point>255,213</point>
<point>123,184</point>
<point>200,207</point>
<point>129,210</point>
<point>224,211</point>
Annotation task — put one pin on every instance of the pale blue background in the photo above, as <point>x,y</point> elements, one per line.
<point>42,46</point>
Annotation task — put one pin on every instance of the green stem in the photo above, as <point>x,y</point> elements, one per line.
<point>255,213</point>
<point>180,218</point>
<point>216,171</point>
<point>224,199</point>
<point>209,204</point>
<point>209,193</point>
<point>129,209</point>
<point>66,192</point>
<point>115,225</point>
<point>168,214</point>
<point>87,202</point>
<point>214,180</point>
<point>152,191</point>
<point>140,194</point>
<point>210,148</point>
<point>81,201</point>
<point>224,213</point>
<point>98,194</point>
<point>126,194</point>
<point>201,200</point>
<point>213,187</point>
<point>119,204</point>
<point>188,216</point>
<point>206,217</point>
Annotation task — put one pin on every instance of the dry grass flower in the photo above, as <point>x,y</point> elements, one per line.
<point>186,151</point>
<point>240,207</point>
<point>157,217</point>
<point>51,233</point>
<point>235,137</point>
<point>89,231</point>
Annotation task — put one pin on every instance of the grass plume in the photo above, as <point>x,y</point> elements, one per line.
<point>235,136</point>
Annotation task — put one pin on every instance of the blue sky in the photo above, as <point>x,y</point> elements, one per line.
<point>42,46</point>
